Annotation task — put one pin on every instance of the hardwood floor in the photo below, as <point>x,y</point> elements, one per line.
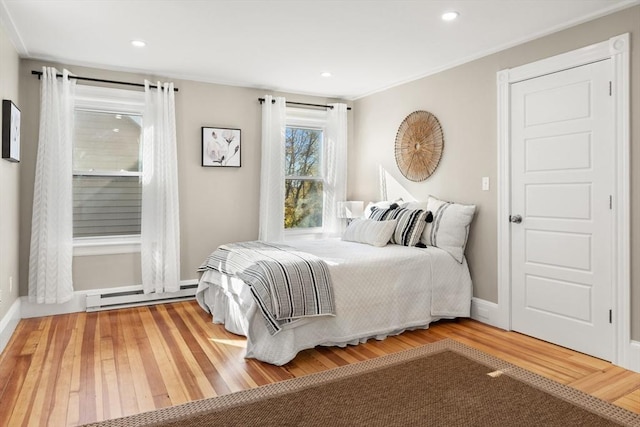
<point>84,367</point>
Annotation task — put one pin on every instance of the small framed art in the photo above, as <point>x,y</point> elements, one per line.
<point>10,131</point>
<point>220,147</point>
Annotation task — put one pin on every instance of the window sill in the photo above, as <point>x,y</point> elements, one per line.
<point>304,234</point>
<point>88,246</point>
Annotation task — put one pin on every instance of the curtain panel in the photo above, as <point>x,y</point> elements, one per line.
<point>274,115</point>
<point>51,251</point>
<point>160,230</point>
<point>335,168</point>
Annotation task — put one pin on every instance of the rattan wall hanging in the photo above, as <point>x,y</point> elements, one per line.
<point>419,145</point>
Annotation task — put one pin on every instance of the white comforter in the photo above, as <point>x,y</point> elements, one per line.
<point>378,292</point>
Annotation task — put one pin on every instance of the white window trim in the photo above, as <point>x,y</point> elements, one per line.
<point>109,99</point>
<point>123,101</point>
<point>308,119</point>
<point>296,233</point>
<point>106,245</point>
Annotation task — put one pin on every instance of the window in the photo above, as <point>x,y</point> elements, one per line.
<point>107,168</point>
<point>303,198</point>
<point>304,183</point>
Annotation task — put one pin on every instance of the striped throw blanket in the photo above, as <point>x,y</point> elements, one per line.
<point>287,284</point>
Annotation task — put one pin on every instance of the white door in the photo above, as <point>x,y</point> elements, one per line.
<point>562,179</point>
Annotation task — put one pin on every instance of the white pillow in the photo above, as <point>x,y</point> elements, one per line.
<point>450,227</point>
<point>369,231</point>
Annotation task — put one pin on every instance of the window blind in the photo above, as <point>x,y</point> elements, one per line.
<point>106,205</point>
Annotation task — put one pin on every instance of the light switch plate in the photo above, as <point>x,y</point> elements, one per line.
<point>485,183</point>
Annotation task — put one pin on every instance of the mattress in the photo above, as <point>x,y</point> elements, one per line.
<point>378,292</point>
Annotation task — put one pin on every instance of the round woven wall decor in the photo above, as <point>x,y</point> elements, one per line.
<point>419,145</point>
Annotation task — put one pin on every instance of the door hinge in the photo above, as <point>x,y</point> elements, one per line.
<point>610,88</point>
<point>610,202</point>
<point>610,316</point>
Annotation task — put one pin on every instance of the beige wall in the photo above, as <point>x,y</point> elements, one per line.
<point>217,205</point>
<point>9,183</point>
<point>464,100</point>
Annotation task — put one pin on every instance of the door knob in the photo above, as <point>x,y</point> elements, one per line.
<point>516,219</point>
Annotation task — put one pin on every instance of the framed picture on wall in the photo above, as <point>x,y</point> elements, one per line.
<point>10,131</point>
<point>220,147</point>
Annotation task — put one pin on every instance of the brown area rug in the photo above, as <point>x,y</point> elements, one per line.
<point>441,384</point>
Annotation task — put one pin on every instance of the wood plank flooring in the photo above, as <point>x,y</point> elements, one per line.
<point>84,367</point>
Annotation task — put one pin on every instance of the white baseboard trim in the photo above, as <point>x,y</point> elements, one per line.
<point>75,304</point>
<point>633,356</point>
<point>487,312</point>
<point>79,301</point>
<point>9,323</point>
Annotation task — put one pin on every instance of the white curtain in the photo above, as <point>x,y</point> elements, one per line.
<point>51,256</point>
<point>335,168</point>
<point>160,233</point>
<point>274,117</point>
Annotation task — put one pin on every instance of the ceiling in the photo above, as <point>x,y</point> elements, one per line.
<point>282,45</point>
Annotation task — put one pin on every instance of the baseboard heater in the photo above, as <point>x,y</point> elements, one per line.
<point>136,297</point>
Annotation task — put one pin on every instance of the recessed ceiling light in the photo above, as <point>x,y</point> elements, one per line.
<point>325,74</point>
<point>138,43</point>
<point>116,130</point>
<point>450,16</point>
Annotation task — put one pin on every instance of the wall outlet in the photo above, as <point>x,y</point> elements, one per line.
<point>11,285</point>
<point>485,183</point>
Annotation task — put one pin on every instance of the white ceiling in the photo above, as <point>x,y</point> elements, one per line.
<point>285,45</point>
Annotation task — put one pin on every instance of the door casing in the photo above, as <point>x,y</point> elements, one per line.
<point>616,49</point>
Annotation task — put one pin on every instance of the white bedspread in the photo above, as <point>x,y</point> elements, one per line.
<point>378,292</point>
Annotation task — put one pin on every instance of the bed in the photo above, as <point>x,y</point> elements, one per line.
<point>377,291</point>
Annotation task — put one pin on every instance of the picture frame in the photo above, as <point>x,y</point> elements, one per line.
<point>221,147</point>
<point>10,131</point>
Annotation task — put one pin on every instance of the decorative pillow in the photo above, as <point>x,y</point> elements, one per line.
<point>418,205</point>
<point>450,227</point>
<point>369,231</point>
<point>415,205</point>
<point>381,214</point>
<point>411,222</point>
<point>386,204</point>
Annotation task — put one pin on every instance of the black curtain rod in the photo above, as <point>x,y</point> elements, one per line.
<point>304,104</point>
<point>89,79</point>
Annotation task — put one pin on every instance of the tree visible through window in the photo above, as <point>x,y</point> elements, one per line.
<point>303,203</point>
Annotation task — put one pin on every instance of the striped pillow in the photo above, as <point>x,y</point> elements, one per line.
<point>411,223</point>
<point>381,205</point>
<point>380,214</point>
<point>374,233</point>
